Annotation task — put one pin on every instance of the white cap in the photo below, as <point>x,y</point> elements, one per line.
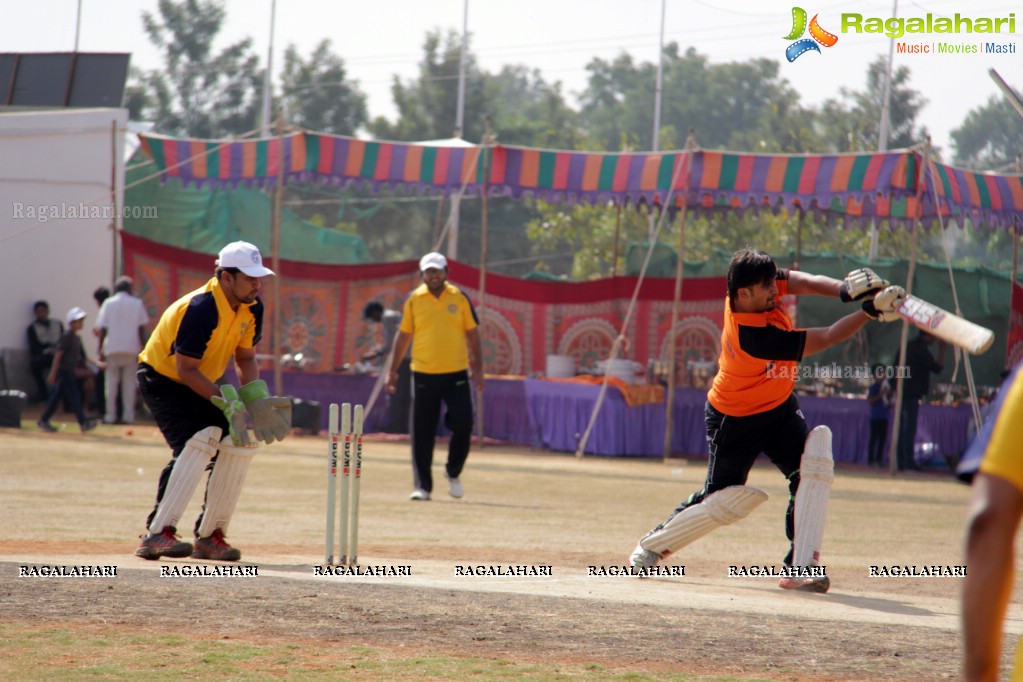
<point>245,257</point>
<point>433,260</point>
<point>75,314</point>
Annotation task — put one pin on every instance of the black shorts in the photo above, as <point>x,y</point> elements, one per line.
<point>734,443</point>
<point>179,411</point>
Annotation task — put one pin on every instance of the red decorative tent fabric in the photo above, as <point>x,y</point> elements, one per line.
<point>846,188</point>
<point>321,310</point>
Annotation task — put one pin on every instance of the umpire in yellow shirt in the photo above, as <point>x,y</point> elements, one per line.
<point>440,322</point>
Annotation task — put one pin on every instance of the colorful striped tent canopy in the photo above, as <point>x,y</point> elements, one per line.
<point>847,188</point>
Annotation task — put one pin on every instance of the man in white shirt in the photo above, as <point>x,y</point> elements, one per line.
<point>122,333</point>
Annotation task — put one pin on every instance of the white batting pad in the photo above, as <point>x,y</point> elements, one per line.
<point>225,486</point>
<point>816,472</point>
<point>717,509</point>
<point>184,477</point>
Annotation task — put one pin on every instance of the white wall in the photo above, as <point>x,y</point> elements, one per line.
<point>57,162</point>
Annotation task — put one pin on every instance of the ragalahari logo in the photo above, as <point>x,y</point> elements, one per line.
<point>817,35</point>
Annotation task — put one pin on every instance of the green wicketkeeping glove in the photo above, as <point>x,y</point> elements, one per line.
<point>271,415</point>
<point>234,410</point>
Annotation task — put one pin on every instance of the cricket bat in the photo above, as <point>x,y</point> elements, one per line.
<point>946,326</point>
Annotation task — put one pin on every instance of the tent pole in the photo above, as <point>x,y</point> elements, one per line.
<point>275,259</point>
<point>115,223</point>
<point>799,239</point>
<point>618,230</point>
<point>1012,290</point>
<point>676,304</point>
<point>484,203</point>
<point>620,339</point>
<point>893,464</point>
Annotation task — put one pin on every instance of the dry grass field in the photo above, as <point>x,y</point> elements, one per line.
<point>70,500</point>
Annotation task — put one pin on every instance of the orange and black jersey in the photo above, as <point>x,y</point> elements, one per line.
<point>757,369</point>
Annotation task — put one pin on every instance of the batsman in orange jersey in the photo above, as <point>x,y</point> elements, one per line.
<point>751,408</point>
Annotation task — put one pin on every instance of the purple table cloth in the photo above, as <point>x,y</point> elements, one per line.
<point>504,403</point>
<point>554,415</point>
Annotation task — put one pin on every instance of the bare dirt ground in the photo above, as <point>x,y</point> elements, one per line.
<point>72,499</point>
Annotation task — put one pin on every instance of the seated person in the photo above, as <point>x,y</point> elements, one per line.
<point>43,335</point>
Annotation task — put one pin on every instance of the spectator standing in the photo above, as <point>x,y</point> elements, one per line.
<point>68,357</point>
<point>920,364</point>
<point>389,321</point>
<point>879,399</point>
<point>122,333</point>
<point>440,322</point>
<point>43,335</point>
<point>94,399</point>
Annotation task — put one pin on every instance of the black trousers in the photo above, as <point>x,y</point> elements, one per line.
<point>180,413</point>
<point>905,447</point>
<point>429,393</point>
<point>735,443</point>
<point>401,399</point>
<point>878,435</point>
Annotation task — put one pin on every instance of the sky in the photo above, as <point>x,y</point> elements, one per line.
<point>383,39</point>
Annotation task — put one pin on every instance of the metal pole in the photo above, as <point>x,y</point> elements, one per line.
<point>275,249</point>
<point>658,89</point>
<point>462,62</point>
<point>893,463</point>
<point>78,24</point>
<point>456,197</point>
<point>676,305</point>
<point>882,136</point>
<point>1015,269</point>
<point>115,225</point>
<point>268,75</point>
<point>480,413</point>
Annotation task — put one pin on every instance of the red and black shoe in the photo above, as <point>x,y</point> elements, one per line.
<point>819,584</point>
<point>215,547</point>
<point>165,543</point>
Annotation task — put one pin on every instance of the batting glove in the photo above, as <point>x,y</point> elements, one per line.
<point>883,306</point>
<point>860,284</point>
<point>271,416</point>
<point>234,410</point>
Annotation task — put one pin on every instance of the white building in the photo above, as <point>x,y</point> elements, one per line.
<point>61,193</point>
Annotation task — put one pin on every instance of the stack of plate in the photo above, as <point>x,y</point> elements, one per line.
<point>621,369</point>
<point>560,366</point>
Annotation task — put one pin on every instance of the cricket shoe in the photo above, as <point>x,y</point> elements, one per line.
<point>643,558</point>
<point>455,487</point>
<point>819,584</point>
<point>419,495</point>
<point>165,543</point>
<point>215,548</point>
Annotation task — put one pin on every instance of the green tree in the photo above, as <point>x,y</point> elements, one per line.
<point>991,137</point>
<point>852,122</point>
<point>317,95</point>
<point>198,93</point>
<point>527,110</point>
<point>587,234</point>
<point>427,105</point>
<point>740,105</point>
<point>520,107</point>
